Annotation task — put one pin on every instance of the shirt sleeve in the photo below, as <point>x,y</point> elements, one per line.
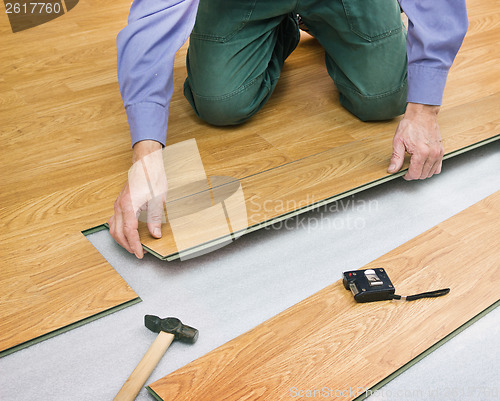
<point>436,29</point>
<point>146,49</point>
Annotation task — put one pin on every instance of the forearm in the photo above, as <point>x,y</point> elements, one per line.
<point>146,49</point>
<point>436,29</point>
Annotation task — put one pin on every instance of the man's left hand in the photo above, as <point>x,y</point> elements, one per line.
<point>418,134</point>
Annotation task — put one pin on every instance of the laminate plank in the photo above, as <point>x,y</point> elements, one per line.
<point>67,282</point>
<point>330,340</point>
<point>314,179</point>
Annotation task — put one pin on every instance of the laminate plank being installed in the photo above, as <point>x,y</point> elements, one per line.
<point>286,167</point>
<point>330,341</point>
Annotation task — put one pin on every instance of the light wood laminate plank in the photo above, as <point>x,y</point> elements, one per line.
<point>328,340</point>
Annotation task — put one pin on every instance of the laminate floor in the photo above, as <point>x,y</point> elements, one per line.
<point>66,152</point>
<point>64,156</point>
<point>229,292</point>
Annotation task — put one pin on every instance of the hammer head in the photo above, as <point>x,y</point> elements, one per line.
<point>171,325</point>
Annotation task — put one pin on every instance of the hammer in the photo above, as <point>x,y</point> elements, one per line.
<point>169,329</point>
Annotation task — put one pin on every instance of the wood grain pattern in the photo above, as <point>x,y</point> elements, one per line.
<point>66,151</point>
<point>64,155</point>
<point>284,164</point>
<point>328,340</point>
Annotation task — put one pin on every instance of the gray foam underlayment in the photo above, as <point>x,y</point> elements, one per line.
<point>227,292</point>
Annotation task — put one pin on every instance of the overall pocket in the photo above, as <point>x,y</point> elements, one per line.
<point>220,20</point>
<point>373,19</point>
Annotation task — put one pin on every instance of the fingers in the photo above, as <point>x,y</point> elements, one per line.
<point>116,230</point>
<point>427,168</point>
<point>419,133</point>
<point>123,225</point>
<point>130,230</point>
<point>439,162</point>
<point>155,216</point>
<point>417,163</point>
<point>439,166</point>
<point>146,178</point>
<point>152,187</point>
<point>398,155</point>
<point>425,162</point>
<point>436,168</point>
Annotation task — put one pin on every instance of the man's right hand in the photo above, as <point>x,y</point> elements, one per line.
<point>145,191</point>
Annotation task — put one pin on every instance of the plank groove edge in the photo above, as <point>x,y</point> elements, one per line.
<point>69,327</point>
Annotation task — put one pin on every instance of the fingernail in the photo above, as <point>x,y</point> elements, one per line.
<point>157,232</point>
<point>392,167</point>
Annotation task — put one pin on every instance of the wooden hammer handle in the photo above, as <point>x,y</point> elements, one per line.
<point>145,367</point>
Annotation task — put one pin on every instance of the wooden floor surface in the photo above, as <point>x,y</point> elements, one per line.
<point>328,340</point>
<point>316,150</point>
<point>66,151</point>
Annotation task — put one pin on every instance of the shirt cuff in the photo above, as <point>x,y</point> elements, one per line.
<point>426,84</point>
<point>147,121</point>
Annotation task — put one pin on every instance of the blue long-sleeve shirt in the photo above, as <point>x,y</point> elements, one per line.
<point>157,29</point>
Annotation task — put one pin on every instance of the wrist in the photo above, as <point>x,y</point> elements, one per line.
<point>144,148</point>
<point>413,109</point>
